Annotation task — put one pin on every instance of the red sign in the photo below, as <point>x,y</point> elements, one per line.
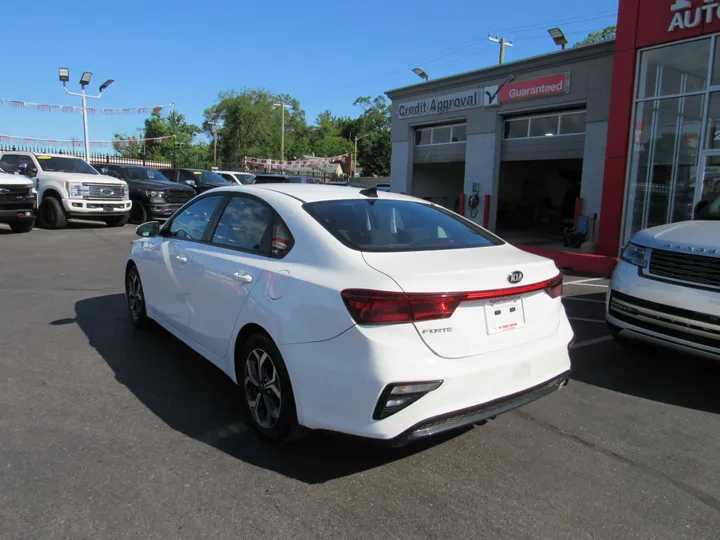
<point>535,88</point>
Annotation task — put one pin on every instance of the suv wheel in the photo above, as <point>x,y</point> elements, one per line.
<point>52,214</point>
<point>136,298</point>
<point>138,213</point>
<point>268,401</point>
<point>22,226</point>
<point>118,221</point>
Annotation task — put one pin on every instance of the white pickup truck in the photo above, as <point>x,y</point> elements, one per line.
<point>666,287</point>
<point>17,201</point>
<point>68,187</point>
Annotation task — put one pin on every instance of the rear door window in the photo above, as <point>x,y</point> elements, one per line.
<point>394,225</point>
<point>245,224</point>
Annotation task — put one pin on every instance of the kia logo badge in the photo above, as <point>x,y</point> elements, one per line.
<point>515,277</point>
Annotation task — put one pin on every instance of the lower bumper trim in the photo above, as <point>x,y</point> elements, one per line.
<point>479,413</point>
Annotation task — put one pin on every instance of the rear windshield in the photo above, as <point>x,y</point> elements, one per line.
<point>270,180</point>
<point>394,225</point>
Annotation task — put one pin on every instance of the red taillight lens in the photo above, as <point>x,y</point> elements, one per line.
<point>555,286</point>
<point>379,307</point>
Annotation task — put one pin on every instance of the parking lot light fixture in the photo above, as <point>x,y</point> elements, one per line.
<point>420,73</point>
<point>85,79</point>
<point>64,75</point>
<point>558,37</point>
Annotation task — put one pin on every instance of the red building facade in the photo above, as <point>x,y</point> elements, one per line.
<point>663,148</point>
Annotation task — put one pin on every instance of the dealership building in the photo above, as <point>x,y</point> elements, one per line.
<point>612,137</point>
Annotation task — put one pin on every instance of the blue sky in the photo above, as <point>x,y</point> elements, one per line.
<point>324,53</point>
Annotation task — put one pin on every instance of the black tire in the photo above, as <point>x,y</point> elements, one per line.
<point>625,343</point>
<point>118,221</point>
<point>135,295</point>
<point>282,427</point>
<point>138,213</point>
<point>22,226</point>
<point>52,214</point>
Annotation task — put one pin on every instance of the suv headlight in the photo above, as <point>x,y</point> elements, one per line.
<point>155,194</point>
<point>125,191</point>
<point>635,255</point>
<point>76,190</point>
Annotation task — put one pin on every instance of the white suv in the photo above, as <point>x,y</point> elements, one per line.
<point>68,187</point>
<point>666,287</point>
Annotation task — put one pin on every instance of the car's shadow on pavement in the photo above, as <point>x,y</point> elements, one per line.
<point>192,396</point>
<point>650,373</point>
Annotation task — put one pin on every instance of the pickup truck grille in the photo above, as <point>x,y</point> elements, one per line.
<point>104,191</point>
<point>175,196</point>
<point>12,193</point>
<point>692,268</point>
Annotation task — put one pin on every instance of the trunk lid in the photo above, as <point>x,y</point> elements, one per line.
<point>477,325</point>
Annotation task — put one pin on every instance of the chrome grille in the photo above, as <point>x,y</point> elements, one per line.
<point>178,196</point>
<point>688,267</point>
<point>104,191</point>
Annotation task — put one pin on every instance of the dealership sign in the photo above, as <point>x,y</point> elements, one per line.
<point>441,104</point>
<point>550,85</point>
<point>685,15</point>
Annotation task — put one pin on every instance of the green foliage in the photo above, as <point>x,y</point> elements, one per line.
<point>248,124</point>
<point>600,35</point>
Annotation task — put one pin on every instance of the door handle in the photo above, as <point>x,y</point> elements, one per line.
<point>181,258</point>
<point>244,277</point>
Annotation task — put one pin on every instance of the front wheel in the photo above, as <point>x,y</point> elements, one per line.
<point>268,399</point>
<point>136,298</point>
<point>22,226</point>
<point>117,221</point>
<point>52,214</point>
<point>138,213</point>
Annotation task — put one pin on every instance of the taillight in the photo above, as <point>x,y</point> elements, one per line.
<point>382,307</point>
<point>379,307</point>
<point>555,286</point>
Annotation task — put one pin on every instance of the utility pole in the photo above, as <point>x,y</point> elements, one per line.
<point>215,128</point>
<point>503,43</point>
<point>282,134</point>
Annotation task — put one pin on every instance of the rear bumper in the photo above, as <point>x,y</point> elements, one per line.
<point>338,383</point>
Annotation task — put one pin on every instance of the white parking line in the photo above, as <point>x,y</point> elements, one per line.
<point>584,300</point>
<point>588,342</point>
<point>583,319</point>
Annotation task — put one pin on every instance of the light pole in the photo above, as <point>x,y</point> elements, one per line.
<point>281,104</point>
<point>558,37</point>
<point>64,75</point>
<point>420,73</point>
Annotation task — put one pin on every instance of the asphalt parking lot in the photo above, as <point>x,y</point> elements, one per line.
<point>109,433</point>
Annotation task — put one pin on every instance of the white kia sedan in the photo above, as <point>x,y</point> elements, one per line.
<point>356,311</point>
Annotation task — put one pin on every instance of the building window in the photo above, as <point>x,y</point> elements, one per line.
<point>670,130</point>
<point>446,134</point>
<point>546,125</point>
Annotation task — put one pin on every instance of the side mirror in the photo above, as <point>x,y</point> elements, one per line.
<point>190,183</point>
<point>148,230</point>
<point>27,170</point>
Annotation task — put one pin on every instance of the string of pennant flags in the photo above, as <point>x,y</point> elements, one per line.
<point>44,107</point>
<point>78,143</point>
<point>294,164</point>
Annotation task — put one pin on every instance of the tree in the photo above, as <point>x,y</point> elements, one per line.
<point>605,34</point>
<point>156,125</point>
<point>373,132</point>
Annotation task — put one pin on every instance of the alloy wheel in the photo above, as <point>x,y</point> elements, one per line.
<point>135,295</point>
<point>262,388</point>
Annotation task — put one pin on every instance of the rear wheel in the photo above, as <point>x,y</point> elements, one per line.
<point>138,213</point>
<point>268,400</point>
<point>117,221</point>
<point>22,226</point>
<point>136,298</point>
<point>52,214</point>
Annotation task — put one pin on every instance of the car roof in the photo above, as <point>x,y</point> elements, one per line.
<point>314,192</point>
<point>234,172</point>
<point>23,153</point>
<point>123,165</point>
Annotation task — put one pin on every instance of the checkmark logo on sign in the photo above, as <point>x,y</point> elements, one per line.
<point>490,96</point>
